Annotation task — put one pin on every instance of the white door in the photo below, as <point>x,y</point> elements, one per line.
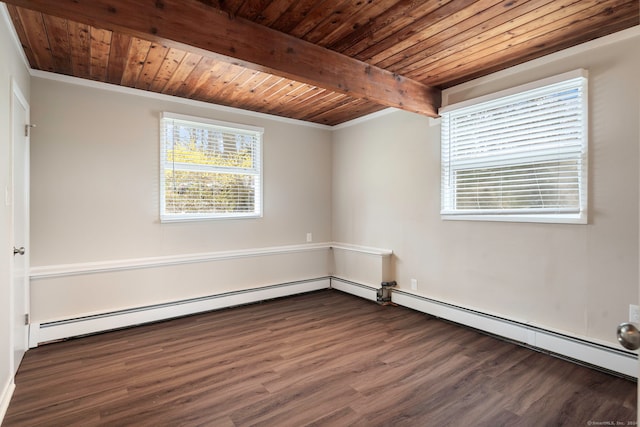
<point>20,218</point>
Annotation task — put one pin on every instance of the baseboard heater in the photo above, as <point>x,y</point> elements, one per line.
<point>565,346</point>
<point>354,288</point>
<point>578,350</point>
<point>67,328</point>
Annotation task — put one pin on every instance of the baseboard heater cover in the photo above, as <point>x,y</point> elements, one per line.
<point>590,353</point>
<point>57,330</point>
<point>354,288</point>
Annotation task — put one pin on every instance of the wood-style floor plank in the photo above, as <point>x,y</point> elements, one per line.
<point>318,359</point>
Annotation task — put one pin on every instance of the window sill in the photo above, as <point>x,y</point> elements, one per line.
<point>172,219</point>
<point>547,219</point>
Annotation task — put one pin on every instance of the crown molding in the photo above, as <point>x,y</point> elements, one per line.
<point>14,36</point>
<point>629,33</point>
<point>46,75</point>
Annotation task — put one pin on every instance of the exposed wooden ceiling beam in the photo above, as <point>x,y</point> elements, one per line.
<point>199,28</point>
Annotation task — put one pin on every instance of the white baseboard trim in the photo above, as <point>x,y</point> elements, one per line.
<point>353,288</point>
<point>5,398</point>
<point>581,350</point>
<point>595,354</point>
<point>52,331</point>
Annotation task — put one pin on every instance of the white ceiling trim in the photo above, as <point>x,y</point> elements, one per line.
<point>366,118</point>
<point>167,98</point>
<point>14,36</point>
<point>544,60</point>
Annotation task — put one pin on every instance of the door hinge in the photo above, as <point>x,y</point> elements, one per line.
<point>26,129</point>
<point>26,319</point>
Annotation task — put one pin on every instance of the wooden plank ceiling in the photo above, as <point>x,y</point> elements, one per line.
<point>415,47</point>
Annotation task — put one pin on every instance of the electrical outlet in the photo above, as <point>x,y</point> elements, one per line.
<point>414,285</point>
<point>634,313</point>
<point>309,237</point>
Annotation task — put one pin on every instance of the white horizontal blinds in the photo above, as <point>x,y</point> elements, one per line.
<point>209,171</point>
<point>524,153</point>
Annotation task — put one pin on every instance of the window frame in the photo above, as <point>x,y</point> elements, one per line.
<point>505,97</point>
<point>201,122</point>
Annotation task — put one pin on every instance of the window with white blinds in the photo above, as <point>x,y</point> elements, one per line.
<point>520,157</point>
<point>210,169</point>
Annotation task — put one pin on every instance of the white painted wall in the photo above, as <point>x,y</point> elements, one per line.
<point>11,66</point>
<point>95,178</point>
<point>577,279</point>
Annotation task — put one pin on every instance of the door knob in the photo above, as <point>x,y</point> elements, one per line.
<point>629,336</point>
<point>18,251</point>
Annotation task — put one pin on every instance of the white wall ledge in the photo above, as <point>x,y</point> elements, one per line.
<point>62,270</point>
<point>45,272</point>
<point>362,249</point>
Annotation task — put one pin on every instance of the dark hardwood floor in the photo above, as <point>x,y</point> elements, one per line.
<point>322,359</point>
